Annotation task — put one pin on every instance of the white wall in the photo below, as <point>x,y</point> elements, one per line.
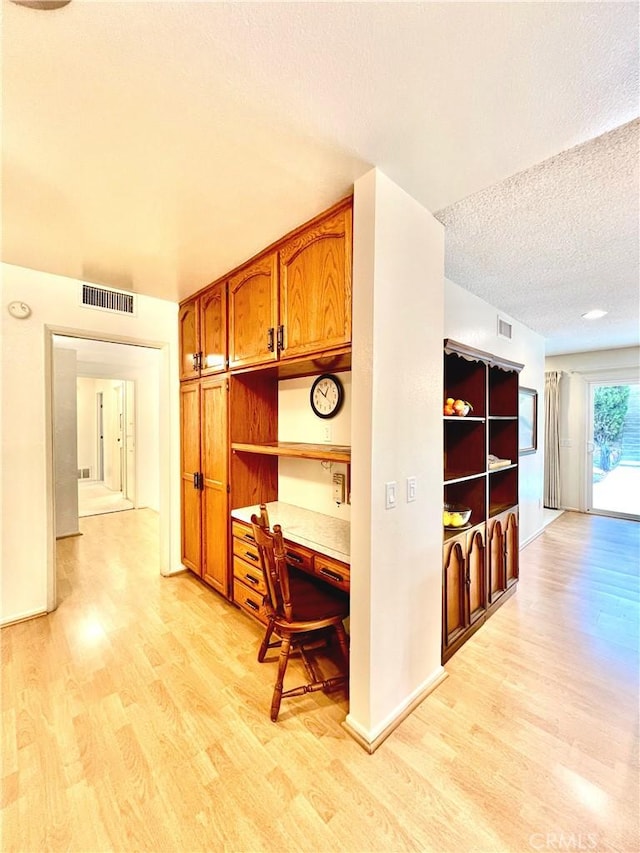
<point>396,432</point>
<point>306,482</point>
<point>86,425</point>
<point>65,452</point>
<point>27,488</point>
<point>472,321</point>
<point>579,369</point>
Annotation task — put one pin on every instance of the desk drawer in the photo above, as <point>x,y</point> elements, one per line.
<point>251,576</point>
<point>242,531</point>
<point>299,557</point>
<point>250,601</point>
<point>333,572</point>
<point>246,551</point>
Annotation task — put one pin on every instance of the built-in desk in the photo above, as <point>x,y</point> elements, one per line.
<point>315,543</point>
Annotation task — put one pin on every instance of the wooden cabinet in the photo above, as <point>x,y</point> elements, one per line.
<point>294,300</point>
<point>202,328</point>
<point>464,587</point>
<point>315,287</point>
<point>253,313</point>
<point>204,455</point>
<point>481,473</point>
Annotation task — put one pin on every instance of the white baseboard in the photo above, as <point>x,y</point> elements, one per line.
<point>371,740</point>
<point>13,620</point>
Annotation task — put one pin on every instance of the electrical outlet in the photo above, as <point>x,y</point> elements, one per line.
<point>327,433</point>
<point>412,487</point>
<point>338,488</point>
<point>390,495</point>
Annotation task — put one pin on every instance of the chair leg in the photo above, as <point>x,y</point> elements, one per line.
<point>282,668</point>
<point>265,643</point>
<point>344,643</point>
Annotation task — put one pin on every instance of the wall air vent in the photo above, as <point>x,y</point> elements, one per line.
<point>84,473</point>
<point>505,330</point>
<point>107,300</point>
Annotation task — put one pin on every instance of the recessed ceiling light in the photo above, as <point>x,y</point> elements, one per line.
<point>595,314</point>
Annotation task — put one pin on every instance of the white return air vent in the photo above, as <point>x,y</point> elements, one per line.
<point>505,329</point>
<point>106,299</point>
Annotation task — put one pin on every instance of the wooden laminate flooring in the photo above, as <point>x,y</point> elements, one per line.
<point>135,717</point>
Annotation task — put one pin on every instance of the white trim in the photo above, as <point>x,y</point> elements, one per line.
<point>372,739</point>
<point>525,542</point>
<point>30,614</point>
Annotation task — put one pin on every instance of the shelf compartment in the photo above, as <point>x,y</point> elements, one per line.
<point>503,438</point>
<point>503,489</point>
<point>465,380</point>
<point>503,393</point>
<point>300,450</point>
<point>471,493</point>
<point>464,448</point>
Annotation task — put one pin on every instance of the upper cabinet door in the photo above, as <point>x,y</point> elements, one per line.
<point>315,287</point>
<point>189,332</point>
<point>213,329</point>
<point>253,313</point>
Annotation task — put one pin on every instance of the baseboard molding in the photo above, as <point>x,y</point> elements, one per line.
<point>525,542</point>
<point>26,617</point>
<point>173,572</point>
<point>372,740</point>
<point>68,536</point>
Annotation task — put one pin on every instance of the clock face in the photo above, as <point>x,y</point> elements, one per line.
<point>326,395</point>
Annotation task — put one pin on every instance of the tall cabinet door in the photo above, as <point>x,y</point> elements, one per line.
<point>213,329</point>
<point>253,313</point>
<point>189,476</point>
<point>511,550</point>
<point>476,575</point>
<point>215,514</point>
<point>189,335</point>
<point>315,287</point>
<point>454,591</point>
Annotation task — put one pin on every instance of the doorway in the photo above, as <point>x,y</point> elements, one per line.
<point>613,449</point>
<point>106,445</point>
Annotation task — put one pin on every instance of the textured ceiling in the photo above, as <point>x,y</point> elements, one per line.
<point>153,145</point>
<point>556,241</point>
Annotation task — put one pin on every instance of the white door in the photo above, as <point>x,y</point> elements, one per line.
<point>129,482</point>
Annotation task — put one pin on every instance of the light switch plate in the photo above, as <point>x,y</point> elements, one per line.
<point>390,495</point>
<point>412,487</point>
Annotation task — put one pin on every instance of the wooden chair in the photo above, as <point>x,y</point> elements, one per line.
<point>300,612</point>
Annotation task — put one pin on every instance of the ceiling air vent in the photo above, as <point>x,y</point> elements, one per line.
<point>107,300</point>
<point>505,329</point>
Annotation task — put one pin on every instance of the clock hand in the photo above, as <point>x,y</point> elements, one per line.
<point>324,393</point>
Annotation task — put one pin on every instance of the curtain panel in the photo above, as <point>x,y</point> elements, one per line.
<point>552,438</point>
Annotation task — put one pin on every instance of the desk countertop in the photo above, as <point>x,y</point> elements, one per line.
<point>321,533</point>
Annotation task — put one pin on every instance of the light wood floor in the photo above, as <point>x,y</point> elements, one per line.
<point>135,717</point>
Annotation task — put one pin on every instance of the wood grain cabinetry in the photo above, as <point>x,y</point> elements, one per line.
<point>204,455</point>
<point>315,287</point>
<point>480,564</point>
<point>253,312</point>
<point>202,329</point>
<point>249,583</point>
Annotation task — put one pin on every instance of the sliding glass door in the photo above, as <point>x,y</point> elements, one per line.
<point>613,449</point>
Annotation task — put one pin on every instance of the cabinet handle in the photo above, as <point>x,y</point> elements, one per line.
<point>251,556</point>
<point>333,575</point>
<point>294,557</point>
<point>251,604</point>
<point>249,537</point>
<point>251,579</point>
<point>196,361</point>
<point>468,580</point>
<point>270,339</point>
<point>280,338</point>
<point>195,480</point>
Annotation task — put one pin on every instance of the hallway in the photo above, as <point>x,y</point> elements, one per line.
<point>135,717</point>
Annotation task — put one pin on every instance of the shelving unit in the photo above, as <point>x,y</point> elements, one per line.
<point>298,450</point>
<point>480,562</point>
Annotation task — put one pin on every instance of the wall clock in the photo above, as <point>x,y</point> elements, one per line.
<point>327,395</point>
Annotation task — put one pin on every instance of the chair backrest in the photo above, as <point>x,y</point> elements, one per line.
<point>273,561</point>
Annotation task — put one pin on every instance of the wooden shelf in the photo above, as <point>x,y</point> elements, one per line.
<point>329,452</point>
<point>503,417</point>
<point>459,419</point>
<point>502,468</point>
<point>464,477</point>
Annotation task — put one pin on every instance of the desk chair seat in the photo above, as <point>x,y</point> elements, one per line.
<point>301,611</point>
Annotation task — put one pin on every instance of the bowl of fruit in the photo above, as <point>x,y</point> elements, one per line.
<point>461,408</point>
<point>455,516</point>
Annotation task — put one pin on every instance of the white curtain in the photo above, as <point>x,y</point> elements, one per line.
<point>552,438</point>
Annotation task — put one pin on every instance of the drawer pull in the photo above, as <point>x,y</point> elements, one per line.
<point>295,557</point>
<point>249,537</point>
<point>333,575</point>
<point>251,605</point>
<point>251,579</point>
<point>251,556</point>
